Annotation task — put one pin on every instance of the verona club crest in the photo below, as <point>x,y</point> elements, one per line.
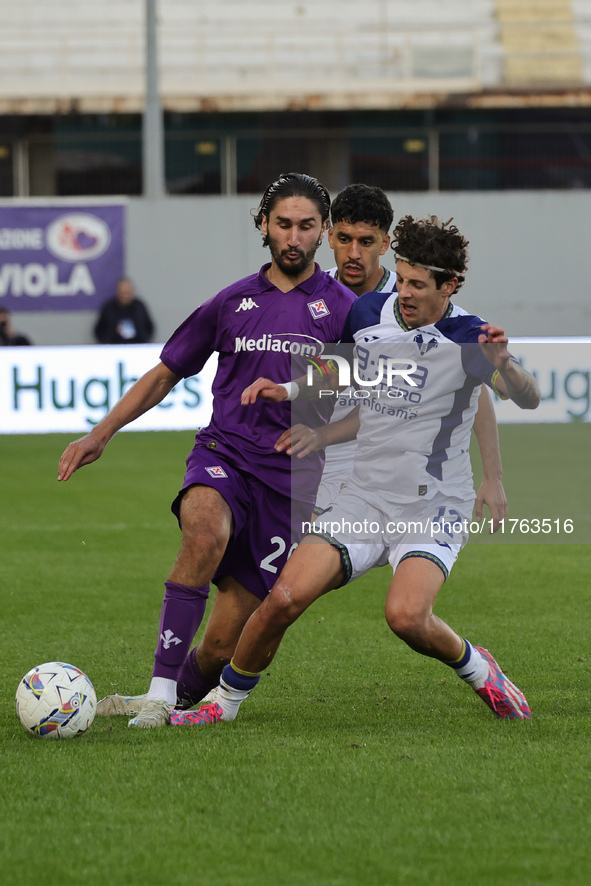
<point>424,346</point>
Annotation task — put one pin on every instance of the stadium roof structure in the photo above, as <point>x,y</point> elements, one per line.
<point>247,55</point>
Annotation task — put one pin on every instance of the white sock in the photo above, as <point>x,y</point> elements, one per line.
<point>162,688</point>
<point>230,700</point>
<point>475,670</point>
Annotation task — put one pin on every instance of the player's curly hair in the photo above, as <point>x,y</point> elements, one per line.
<point>429,241</point>
<point>362,203</point>
<point>292,184</point>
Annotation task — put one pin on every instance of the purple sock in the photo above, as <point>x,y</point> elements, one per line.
<point>182,613</point>
<point>192,685</point>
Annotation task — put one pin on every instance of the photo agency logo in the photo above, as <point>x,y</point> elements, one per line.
<point>334,368</point>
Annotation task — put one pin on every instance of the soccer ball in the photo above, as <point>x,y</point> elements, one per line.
<point>55,700</point>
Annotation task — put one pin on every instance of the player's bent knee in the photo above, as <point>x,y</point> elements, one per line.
<point>209,541</point>
<point>407,624</point>
<point>282,607</point>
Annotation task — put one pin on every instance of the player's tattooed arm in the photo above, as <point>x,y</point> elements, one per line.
<point>521,386</point>
<point>491,491</point>
<point>513,381</point>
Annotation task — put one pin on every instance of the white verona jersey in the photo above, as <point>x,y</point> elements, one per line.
<point>339,458</point>
<point>413,441</point>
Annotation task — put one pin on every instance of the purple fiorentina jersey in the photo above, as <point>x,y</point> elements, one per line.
<point>260,331</point>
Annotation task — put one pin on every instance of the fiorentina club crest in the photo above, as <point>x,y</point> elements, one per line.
<point>318,309</point>
<point>424,346</point>
<point>216,472</point>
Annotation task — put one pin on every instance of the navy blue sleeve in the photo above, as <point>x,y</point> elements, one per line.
<point>347,334</point>
<point>366,311</point>
<point>464,330</point>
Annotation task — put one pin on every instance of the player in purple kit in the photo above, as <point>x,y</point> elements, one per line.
<point>235,507</point>
<point>409,497</point>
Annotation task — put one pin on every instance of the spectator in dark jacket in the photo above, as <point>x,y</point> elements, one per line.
<point>125,319</point>
<point>9,337</point>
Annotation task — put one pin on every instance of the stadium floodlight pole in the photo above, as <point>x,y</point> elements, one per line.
<point>153,130</point>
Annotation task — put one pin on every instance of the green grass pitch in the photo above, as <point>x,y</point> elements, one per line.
<point>356,761</point>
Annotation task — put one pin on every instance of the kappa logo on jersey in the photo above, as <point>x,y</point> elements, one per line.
<point>318,309</point>
<point>424,346</point>
<point>247,304</point>
<point>216,471</point>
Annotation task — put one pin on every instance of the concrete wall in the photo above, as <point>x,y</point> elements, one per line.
<point>527,269</point>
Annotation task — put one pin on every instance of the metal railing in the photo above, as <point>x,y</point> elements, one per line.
<point>471,156</point>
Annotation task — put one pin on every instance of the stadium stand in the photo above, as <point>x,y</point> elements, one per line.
<point>230,54</point>
<point>540,42</point>
<point>454,106</point>
<point>461,94</point>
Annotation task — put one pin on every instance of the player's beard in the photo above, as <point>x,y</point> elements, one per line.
<point>291,267</point>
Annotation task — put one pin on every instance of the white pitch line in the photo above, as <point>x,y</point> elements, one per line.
<point>82,528</point>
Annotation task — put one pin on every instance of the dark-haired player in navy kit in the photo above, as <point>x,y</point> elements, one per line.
<point>236,505</point>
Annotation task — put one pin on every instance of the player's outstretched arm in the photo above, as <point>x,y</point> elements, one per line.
<point>263,389</point>
<point>149,390</point>
<point>300,439</point>
<point>491,491</point>
<point>515,382</point>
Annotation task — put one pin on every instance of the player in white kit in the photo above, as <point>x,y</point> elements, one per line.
<point>409,497</point>
<point>359,235</point>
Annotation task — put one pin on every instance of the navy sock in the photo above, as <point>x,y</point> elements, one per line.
<point>235,680</point>
<point>234,688</point>
<point>464,658</point>
<point>470,666</point>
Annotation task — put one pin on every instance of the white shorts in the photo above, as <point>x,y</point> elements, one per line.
<point>327,492</point>
<point>367,537</point>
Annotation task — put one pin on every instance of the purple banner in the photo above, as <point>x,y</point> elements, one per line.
<point>60,258</point>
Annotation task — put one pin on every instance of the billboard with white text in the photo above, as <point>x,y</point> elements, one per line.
<point>60,258</point>
<point>69,389</point>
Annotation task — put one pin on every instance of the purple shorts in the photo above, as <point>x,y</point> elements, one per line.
<point>267,524</point>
